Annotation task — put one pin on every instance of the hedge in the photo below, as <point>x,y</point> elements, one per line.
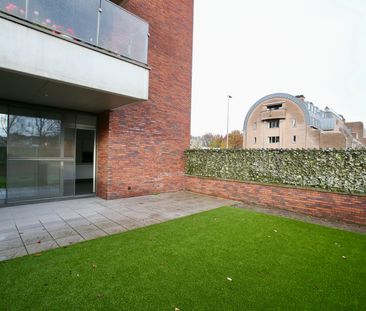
<point>332,170</point>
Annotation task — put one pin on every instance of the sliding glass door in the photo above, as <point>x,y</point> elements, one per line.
<point>37,153</point>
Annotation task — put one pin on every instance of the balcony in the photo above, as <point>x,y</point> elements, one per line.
<point>328,124</point>
<point>273,114</point>
<point>89,55</point>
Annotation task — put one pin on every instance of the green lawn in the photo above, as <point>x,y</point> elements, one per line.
<point>274,263</point>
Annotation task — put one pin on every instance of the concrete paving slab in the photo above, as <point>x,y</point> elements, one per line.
<point>9,244</point>
<point>69,240</point>
<point>12,253</point>
<point>40,247</point>
<point>44,226</point>
<point>93,234</point>
<point>64,233</point>
<point>9,235</point>
<point>36,237</point>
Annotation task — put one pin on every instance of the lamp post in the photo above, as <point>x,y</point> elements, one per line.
<point>227,127</point>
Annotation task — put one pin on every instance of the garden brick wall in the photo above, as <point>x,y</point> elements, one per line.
<point>141,146</point>
<point>334,206</point>
<point>326,169</point>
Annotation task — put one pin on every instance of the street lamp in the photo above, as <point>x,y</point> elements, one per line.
<point>227,128</point>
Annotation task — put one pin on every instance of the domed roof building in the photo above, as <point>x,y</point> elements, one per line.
<point>285,121</point>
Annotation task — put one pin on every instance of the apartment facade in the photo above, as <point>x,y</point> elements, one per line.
<point>95,97</point>
<point>286,121</point>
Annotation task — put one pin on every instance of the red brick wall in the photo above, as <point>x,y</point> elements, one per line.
<point>342,207</point>
<point>141,146</point>
<point>102,154</point>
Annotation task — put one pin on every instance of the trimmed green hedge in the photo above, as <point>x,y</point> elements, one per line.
<point>334,170</point>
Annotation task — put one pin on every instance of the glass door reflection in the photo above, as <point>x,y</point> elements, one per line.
<point>45,153</point>
<point>36,155</point>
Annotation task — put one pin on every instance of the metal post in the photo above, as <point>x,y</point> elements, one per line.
<point>26,9</point>
<point>100,10</point>
<point>227,125</point>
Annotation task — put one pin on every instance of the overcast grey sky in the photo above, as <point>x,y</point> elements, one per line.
<point>252,48</point>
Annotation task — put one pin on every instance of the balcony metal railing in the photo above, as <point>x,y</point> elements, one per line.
<point>328,124</point>
<point>99,23</point>
<point>273,114</point>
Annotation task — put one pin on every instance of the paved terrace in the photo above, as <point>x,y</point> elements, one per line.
<point>33,228</point>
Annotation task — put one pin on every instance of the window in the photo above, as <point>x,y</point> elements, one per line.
<point>294,124</point>
<point>274,124</point>
<point>254,125</point>
<point>255,140</point>
<point>294,139</point>
<point>274,107</point>
<point>273,139</point>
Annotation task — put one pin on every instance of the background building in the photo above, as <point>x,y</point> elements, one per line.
<point>95,97</point>
<point>286,121</point>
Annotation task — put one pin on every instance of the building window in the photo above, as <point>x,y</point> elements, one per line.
<point>255,140</point>
<point>274,139</point>
<point>294,139</point>
<point>274,124</point>
<point>274,107</point>
<point>254,125</point>
<point>294,124</point>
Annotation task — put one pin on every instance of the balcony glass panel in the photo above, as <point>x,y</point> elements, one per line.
<point>14,7</point>
<point>100,23</point>
<point>77,18</point>
<point>123,33</point>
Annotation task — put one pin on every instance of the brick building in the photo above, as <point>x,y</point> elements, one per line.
<point>286,121</point>
<point>95,97</point>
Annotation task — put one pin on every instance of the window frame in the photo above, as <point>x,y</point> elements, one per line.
<point>276,122</point>
<point>294,123</point>
<point>274,139</point>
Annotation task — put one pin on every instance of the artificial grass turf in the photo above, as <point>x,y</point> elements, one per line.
<point>186,263</point>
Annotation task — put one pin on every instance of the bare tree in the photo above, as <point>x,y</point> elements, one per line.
<point>46,127</point>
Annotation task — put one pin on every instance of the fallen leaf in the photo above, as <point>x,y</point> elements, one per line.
<point>37,254</point>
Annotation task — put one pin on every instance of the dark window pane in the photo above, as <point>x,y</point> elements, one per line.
<point>69,142</point>
<point>69,178</point>
<point>33,179</point>
<point>49,178</point>
<point>86,120</point>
